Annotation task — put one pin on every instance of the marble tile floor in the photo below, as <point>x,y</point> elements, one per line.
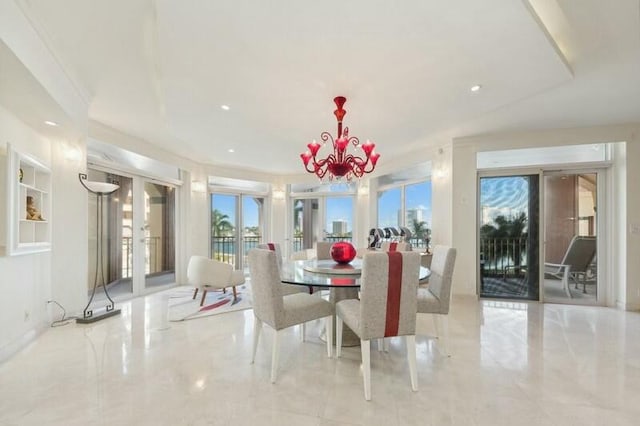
<point>512,364</point>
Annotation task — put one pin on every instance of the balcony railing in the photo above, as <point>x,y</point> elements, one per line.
<point>224,248</point>
<point>503,256</point>
<point>153,262</point>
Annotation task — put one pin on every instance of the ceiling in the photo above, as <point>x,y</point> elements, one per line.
<point>161,70</point>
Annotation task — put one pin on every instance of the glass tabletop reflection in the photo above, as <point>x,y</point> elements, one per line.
<point>327,273</point>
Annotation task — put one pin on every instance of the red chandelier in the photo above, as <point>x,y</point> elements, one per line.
<point>339,163</point>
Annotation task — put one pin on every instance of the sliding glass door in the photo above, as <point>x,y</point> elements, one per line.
<point>508,240</point>
<point>571,218</point>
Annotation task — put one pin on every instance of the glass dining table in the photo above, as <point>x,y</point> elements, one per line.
<point>342,281</point>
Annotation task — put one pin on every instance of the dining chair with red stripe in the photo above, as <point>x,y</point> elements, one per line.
<point>435,297</point>
<point>387,307</point>
<point>395,246</point>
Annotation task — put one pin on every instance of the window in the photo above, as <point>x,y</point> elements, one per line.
<point>404,200</point>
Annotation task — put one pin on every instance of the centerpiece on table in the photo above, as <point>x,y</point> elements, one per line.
<point>343,252</point>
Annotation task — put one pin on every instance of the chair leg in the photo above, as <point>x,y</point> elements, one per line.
<point>257,328</point>
<point>443,341</point>
<point>565,282</point>
<point>235,292</point>
<point>204,295</point>
<point>338,336</point>
<point>274,355</point>
<point>329,327</point>
<point>195,293</point>
<point>436,324</point>
<point>365,349</point>
<point>411,357</point>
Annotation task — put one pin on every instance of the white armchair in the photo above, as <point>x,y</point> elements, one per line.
<point>204,273</point>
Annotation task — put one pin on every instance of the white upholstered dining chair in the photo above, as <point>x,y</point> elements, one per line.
<point>287,288</point>
<point>387,307</point>
<point>280,312</point>
<point>435,298</point>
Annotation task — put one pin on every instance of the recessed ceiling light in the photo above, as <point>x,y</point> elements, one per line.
<point>231,150</point>
<point>225,107</point>
<point>51,123</point>
<point>476,88</point>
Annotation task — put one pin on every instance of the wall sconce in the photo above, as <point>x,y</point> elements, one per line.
<point>363,190</point>
<point>278,194</point>
<point>439,173</point>
<point>198,186</point>
<point>71,153</point>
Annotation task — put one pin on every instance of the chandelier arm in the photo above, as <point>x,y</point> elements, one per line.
<point>322,166</point>
<point>326,136</point>
<point>354,141</point>
<point>359,165</point>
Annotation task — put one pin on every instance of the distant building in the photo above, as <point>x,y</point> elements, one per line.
<point>340,227</point>
<point>420,214</point>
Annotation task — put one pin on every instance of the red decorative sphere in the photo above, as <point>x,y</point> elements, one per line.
<point>343,252</point>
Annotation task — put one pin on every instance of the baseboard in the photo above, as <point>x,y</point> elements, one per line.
<point>632,306</point>
<point>22,342</point>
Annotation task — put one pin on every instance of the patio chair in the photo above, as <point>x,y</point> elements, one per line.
<point>575,263</point>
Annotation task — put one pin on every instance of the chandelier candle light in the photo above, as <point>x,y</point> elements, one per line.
<point>340,163</point>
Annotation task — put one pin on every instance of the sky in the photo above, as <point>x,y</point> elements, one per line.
<point>416,196</point>
<point>505,196</point>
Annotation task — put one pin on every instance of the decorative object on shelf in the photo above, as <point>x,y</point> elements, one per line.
<point>21,175</point>
<point>32,212</point>
<point>340,163</point>
<point>102,190</point>
<point>343,252</point>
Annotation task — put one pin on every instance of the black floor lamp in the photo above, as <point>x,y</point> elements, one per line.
<point>102,190</point>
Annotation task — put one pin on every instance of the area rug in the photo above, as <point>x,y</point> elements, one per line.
<point>183,307</point>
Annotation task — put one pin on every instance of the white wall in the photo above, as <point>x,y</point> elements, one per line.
<point>632,225</point>
<point>26,279</point>
<point>623,274</point>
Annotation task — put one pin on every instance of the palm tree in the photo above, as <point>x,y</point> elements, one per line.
<point>220,223</point>
<point>512,230</point>
<point>420,231</point>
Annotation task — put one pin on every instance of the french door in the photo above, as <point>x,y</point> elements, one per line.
<point>138,236</point>
<point>323,218</point>
<point>237,226</point>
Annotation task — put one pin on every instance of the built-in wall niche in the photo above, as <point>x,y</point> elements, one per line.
<point>29,204</point>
